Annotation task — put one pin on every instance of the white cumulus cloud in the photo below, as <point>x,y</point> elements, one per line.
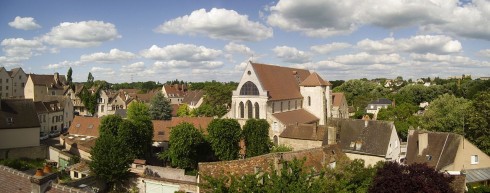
<point>18,50</point>
<point>416,44</point>
<point>113,56</point>
<point>221,24</point>
<point>81,34</point>
<point>238,48</point>
<point>291,54</point>
<point>24,23</point>
<point>364,58</point>
<point>484,53</point>
<point>102,71</point>
<point>327,48</point>
<point>181,52</point>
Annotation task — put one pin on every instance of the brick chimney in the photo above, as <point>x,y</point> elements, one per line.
<point>56,77</point>
<point>42,180</point>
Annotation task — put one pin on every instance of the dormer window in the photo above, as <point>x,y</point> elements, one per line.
<point>10,120</point>
<point>474,159</point>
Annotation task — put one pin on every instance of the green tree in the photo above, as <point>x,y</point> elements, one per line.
<point>360,92</point>
<point>183,110</point>
<point>137,130</point>
<point>224,136</point>
<point>110,160</point>
<point>256,135</point>
<point>446,114</point>
<point>402,116</point>
<point>69,78</point>
<point>393,177</point>
<point>90,80</point>
<point>477,127</point>
<point>184,143</point>
<point>89,99</point>
<point>160,108</point>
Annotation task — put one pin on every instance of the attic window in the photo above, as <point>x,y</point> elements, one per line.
<point>429,157</point>
<point>91,126</point>
<point>78,125</point>
<point>161,133</point>
<point>10,120</point>
<point>474,159</point>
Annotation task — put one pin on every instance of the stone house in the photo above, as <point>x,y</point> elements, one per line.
<point>55,113</point>
<point>174,93</point>
<point>448,152</point>
<point>19,124</point>
<point>38,86</point>
<point>12,83</point>
<point>193,98</point>
<point>282,96</point>
<point>374,106</point>
<point>340,108</point>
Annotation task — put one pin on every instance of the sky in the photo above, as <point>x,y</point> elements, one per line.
<point>196,40</point>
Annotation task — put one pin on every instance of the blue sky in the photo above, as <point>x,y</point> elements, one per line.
<point>123,41</point>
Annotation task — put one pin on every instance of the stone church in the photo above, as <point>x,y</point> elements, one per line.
<point>283,96</point>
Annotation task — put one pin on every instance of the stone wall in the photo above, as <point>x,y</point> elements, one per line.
<point>299,144</point>
<point>34,152</point>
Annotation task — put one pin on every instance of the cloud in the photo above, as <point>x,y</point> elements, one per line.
<point>81,34</point>
<point>323,65</point>
<point>24,23</point>
<point>114,56</point>
<point>179,64</point>
<point>323,18</point>
<point>217,24</point>
<point>327,48</point>
<point>484,53</point>
<point>291,54</point>
<point>238,48</point>
<point>18,50</point>
<point>181,52</point>
<point>364,58</point>
<point>102,71</point>
<point>416,44</point>
<point>63,64</point>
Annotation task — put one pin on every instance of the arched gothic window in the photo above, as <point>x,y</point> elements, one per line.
<point>249,110</point>
<point>249,88</point>
<point>257,112</point>
<point>242,110</point>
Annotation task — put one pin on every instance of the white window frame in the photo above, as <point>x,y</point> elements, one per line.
<point>474,159</point>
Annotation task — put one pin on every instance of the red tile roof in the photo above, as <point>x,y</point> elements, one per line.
<point>296,116</point>
<point>315,80</point>
<point>88,126</point>
<point>337,98</point>
<point>281,82</point>
<point>161,128</point>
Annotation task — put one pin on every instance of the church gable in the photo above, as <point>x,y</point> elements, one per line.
<point>250,84</point>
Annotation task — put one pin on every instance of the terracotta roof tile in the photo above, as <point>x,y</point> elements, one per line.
<point>337,98</point>
<point>304,132</point>
<point>176,90</point>
<point>281,82</point>
<point>315,80</point>
<point>296,116</point>
<point>161,128</point>
<point>88,126</point>
<point>48,80</point>
<point>193,96</point>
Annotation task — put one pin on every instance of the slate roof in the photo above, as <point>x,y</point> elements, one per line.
<point>88,126</point>
<point>161,128</point>
<point>193,97</point>
<point>337,98</point>
<point>315,80</point>
<point>381,101</point>
<point>22,112</point>
<point>442,152</point>
<point>14,181</point>
<point>295,116</point>
<point>373,139</point>
<point>477,175</point>
<point>280,82</point>
<point>121,112</point>
<point>40,108</point>
<point>304,132</point>
<point>13,72</point>
<point>48,80</point>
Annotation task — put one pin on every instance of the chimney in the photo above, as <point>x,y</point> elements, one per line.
<point>56,78</point>
<point>366,119</point>
<point>42,180</point>
<point>422,142</point>
<point>332,135</point>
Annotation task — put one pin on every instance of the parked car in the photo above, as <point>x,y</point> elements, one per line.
<point>54,133</point>
<point>43,136</point>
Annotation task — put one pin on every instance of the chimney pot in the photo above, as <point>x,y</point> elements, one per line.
<point>295,72</point>
<point>39,172</point>
<point>47,169</point>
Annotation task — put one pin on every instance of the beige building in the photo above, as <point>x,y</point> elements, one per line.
<point>445,152</point>
<point>174,93</point>
<point>12,83</point>
<point>55,113</point>
<point>19,124</point>
<point>281,95</point>
<point>38,86</point>
<point>340,108</point>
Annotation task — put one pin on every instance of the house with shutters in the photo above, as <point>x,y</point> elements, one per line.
<point>281,95</point>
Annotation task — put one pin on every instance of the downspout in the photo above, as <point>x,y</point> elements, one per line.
<point>443,147</point>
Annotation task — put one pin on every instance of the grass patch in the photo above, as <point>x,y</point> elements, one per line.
<point>23,164</point>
